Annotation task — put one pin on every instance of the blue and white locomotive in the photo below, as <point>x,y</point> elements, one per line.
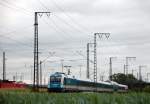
<point>63,83</point>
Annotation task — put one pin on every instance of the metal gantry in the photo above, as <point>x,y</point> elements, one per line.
<point>148,76</point>
<point>68,69</point>
<point>95,51</point>
<point>110,67</point>
<point>88,62</point>
<point>41,63</point>
<point>127,62</point>
<point>4,66</point>
<point>36,50</point>
<point>62,65</point>
<point>124,69</point>
<point>41,73</point>
<point>80,72</point>
<point>140,73</point>
<point>133,72</point>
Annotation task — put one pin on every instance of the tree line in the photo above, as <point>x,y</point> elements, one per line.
<point>133,83</point>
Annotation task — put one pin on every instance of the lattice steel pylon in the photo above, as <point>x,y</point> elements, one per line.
<point>95,59</point>
<point>88,62</point>
<point>36,50</point>
<point>4,67</point>
<point>127,62</point>
<point>95,52</point>
<point>140,74</point>
<point>110,67</point>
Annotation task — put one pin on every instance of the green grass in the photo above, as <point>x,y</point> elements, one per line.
<point>27,97</point>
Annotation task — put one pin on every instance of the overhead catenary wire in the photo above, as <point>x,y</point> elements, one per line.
<point>20,42</point>
<point>10,3</point>
<point>57,28</point>
<point>71,38</point>
<point>11,7</point>
<point>66,24</point>
<point>17,30</point>
<point>56,16</point>
<point>16,41</point>
<point>64,21</point>
<point>84,29</point>
<point>13,32</point>
<point>18,8</point>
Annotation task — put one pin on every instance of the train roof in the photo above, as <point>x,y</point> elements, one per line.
<point>58,74</point>
<point>115,83</point>
<point>121,85</point>
<point>108,82</point>
<point>89,80</point>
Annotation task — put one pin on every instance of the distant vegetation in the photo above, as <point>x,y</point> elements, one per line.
<point>13,97</point>
<point>133,83</point>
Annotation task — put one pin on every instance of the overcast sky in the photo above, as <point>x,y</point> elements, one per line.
<point>69,28</point>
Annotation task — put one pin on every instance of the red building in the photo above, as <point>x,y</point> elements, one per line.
<point>11,85</point>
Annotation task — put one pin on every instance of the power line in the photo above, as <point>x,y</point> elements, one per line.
<point>56,29</point>
<point>59,28</point>
<point>75,22</point>
<point>14,8</point>
<point>58,18</point>
<point>42,4</point>
<point>15,31</point>
<point>68,24</point>
<point>16,41</point>
<point>20,9</point>
<point>7,4</point>
<point>56,26</point>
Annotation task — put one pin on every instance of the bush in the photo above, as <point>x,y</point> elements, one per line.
<point>147,89</point>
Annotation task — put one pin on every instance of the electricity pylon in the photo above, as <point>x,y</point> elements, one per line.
<point>36,50</point>
<point>95,51</point>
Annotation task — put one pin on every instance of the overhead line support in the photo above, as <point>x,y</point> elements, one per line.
<point>36,50</point>
<point>95,52</point>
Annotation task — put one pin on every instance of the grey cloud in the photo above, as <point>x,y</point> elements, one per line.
<point>126,20</point>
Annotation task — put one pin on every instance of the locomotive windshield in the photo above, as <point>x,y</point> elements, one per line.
<point>55,79</point>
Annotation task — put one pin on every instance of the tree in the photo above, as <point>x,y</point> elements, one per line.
<point>133,83</point>
<point>119,78</point>
<point>128,79</point>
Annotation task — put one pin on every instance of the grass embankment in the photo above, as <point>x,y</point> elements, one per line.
<point>13,97</point>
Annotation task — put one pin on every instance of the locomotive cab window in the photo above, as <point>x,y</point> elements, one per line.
<point>55,79</point>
